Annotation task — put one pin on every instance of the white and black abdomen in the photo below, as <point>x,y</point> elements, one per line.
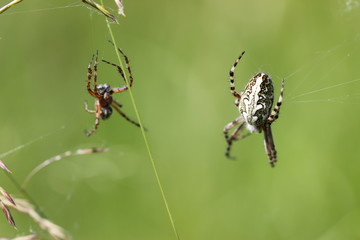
<point>106,112</point>
<point>256,101</point>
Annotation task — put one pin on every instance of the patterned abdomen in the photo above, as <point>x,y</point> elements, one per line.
<point>256,101</point>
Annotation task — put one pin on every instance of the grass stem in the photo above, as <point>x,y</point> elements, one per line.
<point>144,135</point>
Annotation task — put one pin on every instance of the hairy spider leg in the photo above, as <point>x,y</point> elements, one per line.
<point>95,72</point>
<point>269,144</point>
<point>235,134</point>
<point>230,125</point>
<point>116,106</point>
<point>117,103</point>
<point>232,79</point>
<point>275,113</point>
<point>97,112</point>
<point>121,72</point>
<point>117,66</point>
<point>89,77</point>
<point>235,137</point>
<point>127,64</point>
<point>120,89</point>
<point>90,74</point>
<point>237,102</point>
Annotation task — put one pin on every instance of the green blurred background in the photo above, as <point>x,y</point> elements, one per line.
<point>181,53</point>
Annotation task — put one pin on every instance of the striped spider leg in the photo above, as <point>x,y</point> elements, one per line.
<point>104,102</point>
<point>254,104</point>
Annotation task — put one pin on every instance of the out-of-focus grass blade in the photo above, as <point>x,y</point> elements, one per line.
<point>7,195</point>
<point>7,213</point>
<point>23,206</point>
<point>3,166</point>
<point>9,5</point>
<point>120,7</point>
<point>58,158</point>
<point>101,9</point>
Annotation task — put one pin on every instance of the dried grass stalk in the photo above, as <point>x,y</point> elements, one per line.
<point>3,166</point>
<point>58,158</point>
<point>7,213</point>
<point>7,196</point>
<point>101,9</point>
<point>120,7</point>
<point>25,207</point>
<point>27,237</point>
<point>9,5</point>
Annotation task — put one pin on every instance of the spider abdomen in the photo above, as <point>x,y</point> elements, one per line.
<point>256,101</point>
<point>106,112</point>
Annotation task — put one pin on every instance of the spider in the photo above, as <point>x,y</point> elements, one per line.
<point>254,103</point>
<point>104,102</point>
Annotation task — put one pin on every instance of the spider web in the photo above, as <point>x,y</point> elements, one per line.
<point>36,139</point>
<point>320,79</point>
<point>305,89</point>
<point>48,6</point>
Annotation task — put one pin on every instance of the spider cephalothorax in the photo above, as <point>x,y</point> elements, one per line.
<point>255,104</point>
<point>104,102</point>
<point>104,89</point>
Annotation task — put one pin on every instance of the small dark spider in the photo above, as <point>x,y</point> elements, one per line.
<point>104,102</point>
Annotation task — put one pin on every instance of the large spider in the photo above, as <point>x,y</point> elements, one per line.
<point>103,93</point>
<point>254,103</point>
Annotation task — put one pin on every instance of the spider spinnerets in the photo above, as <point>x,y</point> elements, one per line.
<point>104,102</point>
<point>254,104</point>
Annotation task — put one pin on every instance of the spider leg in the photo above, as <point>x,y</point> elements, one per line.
<point>275,113</point>
<point>234,137</point>
<point>237,102</point>
<point>269,144</point>
<point>120,89</point>
<point>89,77</point>
<point>115,106</point>
<point>232,79</point>
<point>230,125</point>
<point>95,71</point>
<point>118,68</point>
<point>235,134</point>
<point>87,108</point>
<point>127,64</point>
<point>97,112</point>
<point>117,103</point>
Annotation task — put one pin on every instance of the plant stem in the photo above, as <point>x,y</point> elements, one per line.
<point>7,6</point>
<point>144,136</point>
<point>27,195</point>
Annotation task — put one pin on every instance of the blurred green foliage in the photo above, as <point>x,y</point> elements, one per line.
<point>180,54</point>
